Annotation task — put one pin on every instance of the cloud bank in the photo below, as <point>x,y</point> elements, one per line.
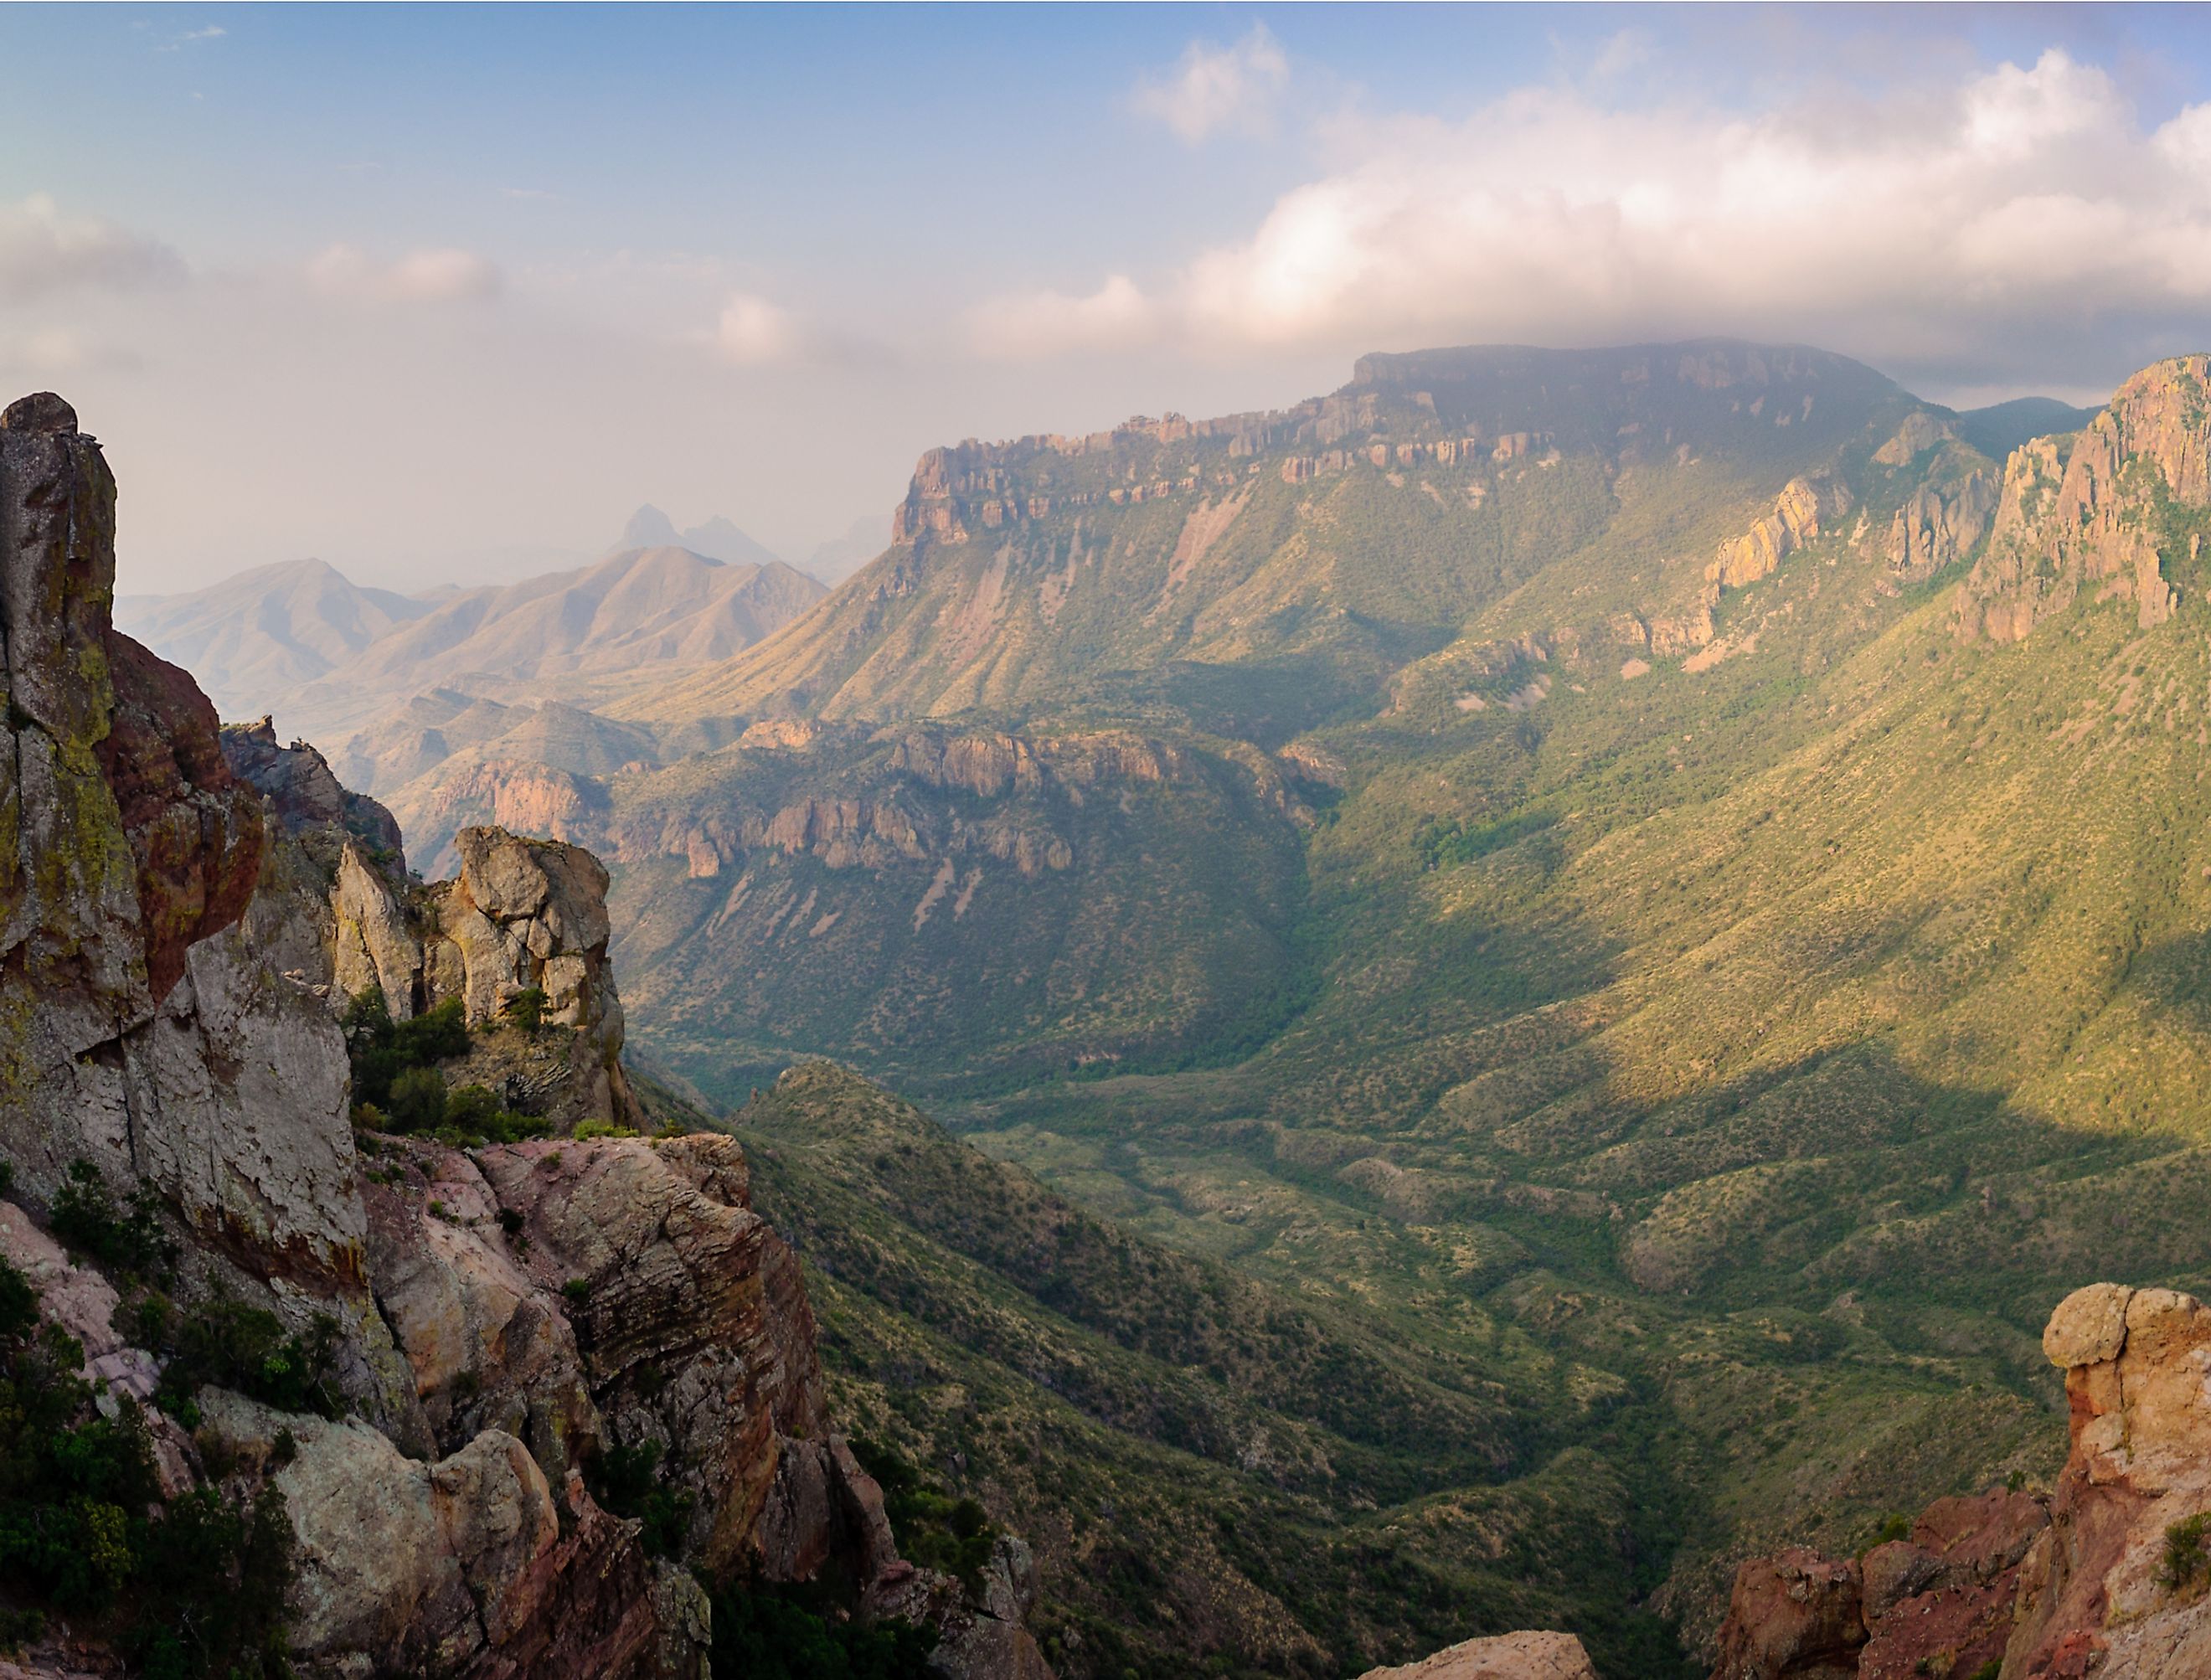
<point>43,252</point>
<point>1924,229</point>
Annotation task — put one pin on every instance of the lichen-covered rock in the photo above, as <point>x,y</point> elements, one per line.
<point>1524,1656</point>
<point>139,1030</point>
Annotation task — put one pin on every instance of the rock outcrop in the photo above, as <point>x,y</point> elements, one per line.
<point>1796,518</point>
<point>184,914</point>
<point>2093,513</point>
<point>1525,1656</point>
<point>1940,523</point>
<point>140,1031</point>
<point>2108,1574</point>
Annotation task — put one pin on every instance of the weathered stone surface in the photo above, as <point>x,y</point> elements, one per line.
<point>1796,1614</point>
<point>1795,520</point>
<point>460,1566</point>
<point>304,793</point>
<point>2070,517</point>
<point>690,1311</point>
<point>2088,1327</point>
<point>1524,1656</point>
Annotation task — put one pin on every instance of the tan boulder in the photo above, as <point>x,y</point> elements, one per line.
<point>1524,1656</point>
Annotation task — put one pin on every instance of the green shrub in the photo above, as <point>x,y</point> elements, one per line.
<point>526,1009</point>
<point>417,1101</point>
<point>87,1220</point>
<point>382,1050</point>
<point>196,1590</point>
<point>587,1130</point>
<point>932,1529</point>
<point>626,1480</point>
<point>232,1345</point>
<point>773,1632</point>
<point>2187,1563</point>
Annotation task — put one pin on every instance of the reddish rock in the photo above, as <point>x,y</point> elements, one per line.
<point>194,829</point>
<point>1795,1614</point>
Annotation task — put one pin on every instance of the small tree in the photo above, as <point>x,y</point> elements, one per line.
<point>418,1099</point>
<point>526,1009</point>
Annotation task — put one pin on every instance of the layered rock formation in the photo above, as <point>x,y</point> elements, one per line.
<point>2108,1574</point>
<point>2096,511</point>
<point>183,915</point>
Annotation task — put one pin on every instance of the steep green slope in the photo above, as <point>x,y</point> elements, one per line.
<point>1852,984</point>
<point>1217,1477</point>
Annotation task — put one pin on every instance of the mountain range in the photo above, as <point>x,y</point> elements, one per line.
<point>1665,875</point>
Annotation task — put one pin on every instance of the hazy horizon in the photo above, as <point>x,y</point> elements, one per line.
<point>477,303</point>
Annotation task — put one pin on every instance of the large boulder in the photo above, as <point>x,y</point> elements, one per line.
<point>1524,1656</point>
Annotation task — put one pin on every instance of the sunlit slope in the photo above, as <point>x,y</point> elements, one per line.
<point>1346,535</point>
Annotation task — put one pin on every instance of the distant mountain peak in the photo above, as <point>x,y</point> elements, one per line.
<point>649,528</point>
<point>716,538</point>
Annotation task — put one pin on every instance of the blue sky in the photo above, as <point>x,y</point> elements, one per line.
<point>429,290</point>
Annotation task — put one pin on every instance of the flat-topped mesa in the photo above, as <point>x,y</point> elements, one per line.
<point>1487,403</point>
<point>2116,506</point>
<point>2089,1578</point>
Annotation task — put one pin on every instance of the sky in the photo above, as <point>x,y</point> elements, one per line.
<point>441,294</point>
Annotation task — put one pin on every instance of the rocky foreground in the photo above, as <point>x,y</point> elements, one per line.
<point>427,1364</point>
<point>2109,1574</point>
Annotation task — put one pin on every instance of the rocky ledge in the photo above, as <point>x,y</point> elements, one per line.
<point>2109,1573</point>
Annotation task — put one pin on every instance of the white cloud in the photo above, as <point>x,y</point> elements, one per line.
<point>42,253</point>
<point>1115,315</point>
<point>2022,200</point>
<point>435,275</point>
<point>1216,89</point>
<point>752,331</point>
<point>212,32</point>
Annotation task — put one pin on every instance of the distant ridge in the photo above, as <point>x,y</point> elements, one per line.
<point>266,632</point>
<point>2000,427</point>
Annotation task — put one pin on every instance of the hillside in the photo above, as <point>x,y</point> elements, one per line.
<point>1212,1471</point>
<point>1673,861</point>
<point>1683,904</point>
<point>264,633</point>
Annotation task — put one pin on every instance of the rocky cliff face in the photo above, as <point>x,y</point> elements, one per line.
<point>2109,1573</point>
<point>183,915</point>
<point>2099,512</point>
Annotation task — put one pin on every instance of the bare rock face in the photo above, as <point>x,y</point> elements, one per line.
<point>2094,1592</point>
<point>1796,518</point>
<point>471,1565</point>
<point>2083,516</point>
<point>1939,523</point>
<point>1527,1656</point>
<point>1796,1613</point>
<point>137,1029</point>
<point>181,916</point>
